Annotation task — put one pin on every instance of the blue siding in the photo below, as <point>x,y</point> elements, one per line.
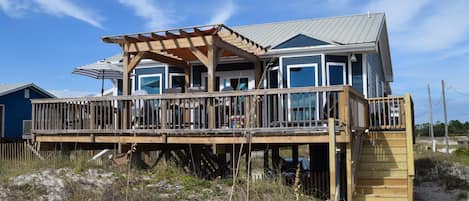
<point>316,59</point>
<point>300,40</point>
<point>17,109</point>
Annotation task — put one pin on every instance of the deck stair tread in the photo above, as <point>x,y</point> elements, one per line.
<point>382,173</point>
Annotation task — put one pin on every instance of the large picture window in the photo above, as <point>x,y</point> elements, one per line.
<point>152,84</point>
<point>305,106</point>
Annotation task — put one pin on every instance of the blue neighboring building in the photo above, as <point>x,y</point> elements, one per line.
<point>15,107</point>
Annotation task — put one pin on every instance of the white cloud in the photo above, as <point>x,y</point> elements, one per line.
<point>445,28</point>
<point>14,9</point>
<point>423,25</point>
<point>399,13</point>
<point>224,13</point>
<point>155,17</point>
<point>57,8</point>
<point>460,51</point>
<point>66,93</point>
<point>67,8</point>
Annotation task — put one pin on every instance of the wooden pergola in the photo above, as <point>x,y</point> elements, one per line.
<point>180,47</point>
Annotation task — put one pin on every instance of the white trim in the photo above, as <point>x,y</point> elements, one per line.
<point>323,70</point>
<point>171,78</point>
<point>132,83</point>
<point>349,68</point>
<point>280,72</point>
<point>360,47</point>
<point>365,75</point>
<point>166,73</point>
<point>343,72</point>
<point>150,75</point>
<point>382,89</point>
<point>376,85</point>
<point>302,55</point>
<point>192,77</point>
<point>2,131</point>
<point>231,75</point>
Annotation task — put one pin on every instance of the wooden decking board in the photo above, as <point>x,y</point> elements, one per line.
<point>190,140</point>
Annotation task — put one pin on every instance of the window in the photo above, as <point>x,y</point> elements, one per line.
<point>2,121</point>
<point>26,93</point>
<point>177,80</point>
<point>303,75</point>
<point>273,78</point>
<point>239,83</point>
<point>335,73</point>
<point>150,83</point>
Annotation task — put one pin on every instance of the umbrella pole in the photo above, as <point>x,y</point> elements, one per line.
<point>102,85</point>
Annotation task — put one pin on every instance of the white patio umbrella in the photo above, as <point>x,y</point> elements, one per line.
<point>105,69</point>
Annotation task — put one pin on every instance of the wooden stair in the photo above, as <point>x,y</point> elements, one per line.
<point>382,173</point>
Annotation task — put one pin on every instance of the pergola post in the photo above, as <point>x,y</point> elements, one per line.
<point>257,73</point>
<point>125,76</point>
<point>187,78</point>
<point>212,57</point>
<point>212,60</point>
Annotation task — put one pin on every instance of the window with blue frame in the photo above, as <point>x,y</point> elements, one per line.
<point>150,83</point>
<point>303,105</point>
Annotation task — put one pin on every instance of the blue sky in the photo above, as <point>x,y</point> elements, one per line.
<point>43,40</point>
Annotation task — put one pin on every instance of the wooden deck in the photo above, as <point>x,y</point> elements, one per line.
<point>276,113</point>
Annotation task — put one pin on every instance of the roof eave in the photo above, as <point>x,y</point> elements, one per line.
<point>358,47</point>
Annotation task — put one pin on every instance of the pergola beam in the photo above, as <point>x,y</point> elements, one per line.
<point>167,44</point>
<point>235,50</point>
<point>166,59</point>
<point>135,61</point>
<point>203,58</point>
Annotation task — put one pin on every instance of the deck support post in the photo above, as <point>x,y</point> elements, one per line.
<point>197,159</point>
<point>294,151</point>
<point>348,158</point>
<point>266,160</point>
<point>276,159</point>
<point>332,160</point>
<point>221,160</point>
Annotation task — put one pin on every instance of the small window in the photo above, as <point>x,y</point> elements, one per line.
<point>26,93</point>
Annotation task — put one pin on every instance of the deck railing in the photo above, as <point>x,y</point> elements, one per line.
<point>300,110</point>
<point>387,113</point>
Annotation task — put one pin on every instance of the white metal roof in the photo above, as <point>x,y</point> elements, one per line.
<point>10,88</point>
<point>363,28</point>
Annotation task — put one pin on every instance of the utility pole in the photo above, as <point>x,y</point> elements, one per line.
<point>446,115</point>
<point>430,125</point>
